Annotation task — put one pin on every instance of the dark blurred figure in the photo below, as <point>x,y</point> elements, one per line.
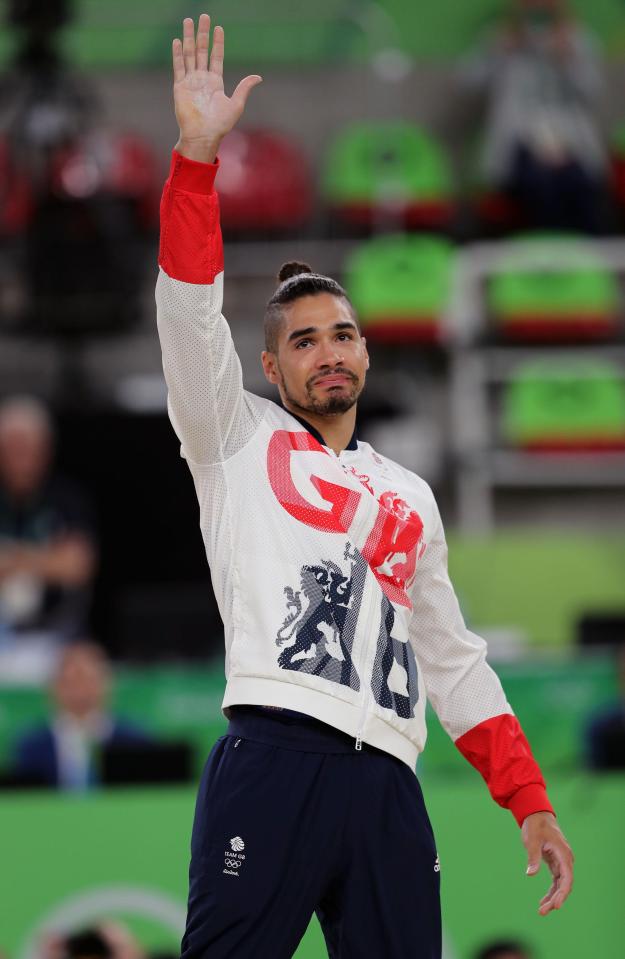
<point>47,540</point>
<point>38,82</point>
<point>504,949</point>
<point>543,149</point>
<point>605,731</point>
<point>64,752</point>
<point>86,944</point>
<point>78,200</point>
<point>105,940</point>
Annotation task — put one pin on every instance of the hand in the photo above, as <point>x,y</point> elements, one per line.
<point>204,113</point>
<point>544,839</point>
<point>66,561</point>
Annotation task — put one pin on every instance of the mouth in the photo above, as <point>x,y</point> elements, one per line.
<point>335,380</point>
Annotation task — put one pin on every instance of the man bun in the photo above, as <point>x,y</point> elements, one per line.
<point>292,268</point>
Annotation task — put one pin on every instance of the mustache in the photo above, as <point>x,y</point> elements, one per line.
<point>339,372</point>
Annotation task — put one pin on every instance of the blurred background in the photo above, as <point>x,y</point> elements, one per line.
<point>461,170</point>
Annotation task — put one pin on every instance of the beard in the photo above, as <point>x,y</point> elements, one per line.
<point>339,399</point>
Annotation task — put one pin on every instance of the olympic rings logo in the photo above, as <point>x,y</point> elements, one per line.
<point>232,863</point>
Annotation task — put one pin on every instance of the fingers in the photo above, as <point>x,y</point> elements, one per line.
<point>544,839</point>
<point>188,44</point>
<point>560,861</point>
<point>243,90</point>
<point>547,903</point>
<point>549,894</point>
<point>203,31</point>
<point>192,54</point>
<point>217,52</point>
<point>178,61</point>
<point>552,900</point>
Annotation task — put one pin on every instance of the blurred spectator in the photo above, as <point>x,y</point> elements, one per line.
<point>105,940</point>
<point>83,944</point>
<point>504,949</point>
<point>63,752</point>
<point>47,541</point>
<point>605,732</point>
<point>122,942</point>
<point>543,149</point>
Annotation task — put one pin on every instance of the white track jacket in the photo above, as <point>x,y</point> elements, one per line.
<point>330,571</point>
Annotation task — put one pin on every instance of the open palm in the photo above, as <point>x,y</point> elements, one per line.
<point>203,110</point>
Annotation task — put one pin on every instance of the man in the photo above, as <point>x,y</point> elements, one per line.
<point>105,940</point>
<point>605,729</point>
<point>329,566</point>
<point>47,543</point>
<point>63,753</point>
<point>543,147</point>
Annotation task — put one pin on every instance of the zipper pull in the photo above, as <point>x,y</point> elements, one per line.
<point>359,743</point>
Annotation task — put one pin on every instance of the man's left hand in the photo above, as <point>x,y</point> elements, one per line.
<point>544,839</point>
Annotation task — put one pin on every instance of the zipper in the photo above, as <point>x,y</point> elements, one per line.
<point>365,704</point>
<point>363,719</point>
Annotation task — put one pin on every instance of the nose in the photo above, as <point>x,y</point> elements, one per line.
<point>331,354</point>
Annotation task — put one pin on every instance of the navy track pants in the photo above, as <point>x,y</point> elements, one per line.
<point>291,819</point>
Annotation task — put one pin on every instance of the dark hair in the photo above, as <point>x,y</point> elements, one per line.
<point>503,947</point>
<point>86,943</point>
<point>294,281</point>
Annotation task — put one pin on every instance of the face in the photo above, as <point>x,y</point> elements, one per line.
<point>82,682</point>
<point>24,455</point>
<point>322,360</point>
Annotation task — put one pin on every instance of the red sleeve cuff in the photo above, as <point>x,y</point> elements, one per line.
<point>528,800</point>
<point>192,176</point>
<point>190,247</point>
<point>498,749</point>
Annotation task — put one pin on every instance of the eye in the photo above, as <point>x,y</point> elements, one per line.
<point>297,346</point>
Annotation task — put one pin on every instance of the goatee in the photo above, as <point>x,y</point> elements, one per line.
<point>339,400</point>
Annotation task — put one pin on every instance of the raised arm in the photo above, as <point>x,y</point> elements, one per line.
<point>211,412</point>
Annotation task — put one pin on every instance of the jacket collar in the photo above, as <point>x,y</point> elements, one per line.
<point>352,445</point>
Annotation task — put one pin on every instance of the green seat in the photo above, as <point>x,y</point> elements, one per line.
<point>400,287</point>
<point>388,165</point>
<point>579,301</point>
<point>617,140</point>
<point>565,405</point>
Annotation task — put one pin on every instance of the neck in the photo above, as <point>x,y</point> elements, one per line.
<point>81,718</point>
<point>337,429</point>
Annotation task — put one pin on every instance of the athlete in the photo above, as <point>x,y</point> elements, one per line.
<point>328,561</point>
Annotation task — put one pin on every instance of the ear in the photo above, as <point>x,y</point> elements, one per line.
<point>270,368</point>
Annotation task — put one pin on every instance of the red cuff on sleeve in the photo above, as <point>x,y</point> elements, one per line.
<point>191,176</point>
<point>528,800</point>
<point>190,246</point>
<point>499,751</point>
